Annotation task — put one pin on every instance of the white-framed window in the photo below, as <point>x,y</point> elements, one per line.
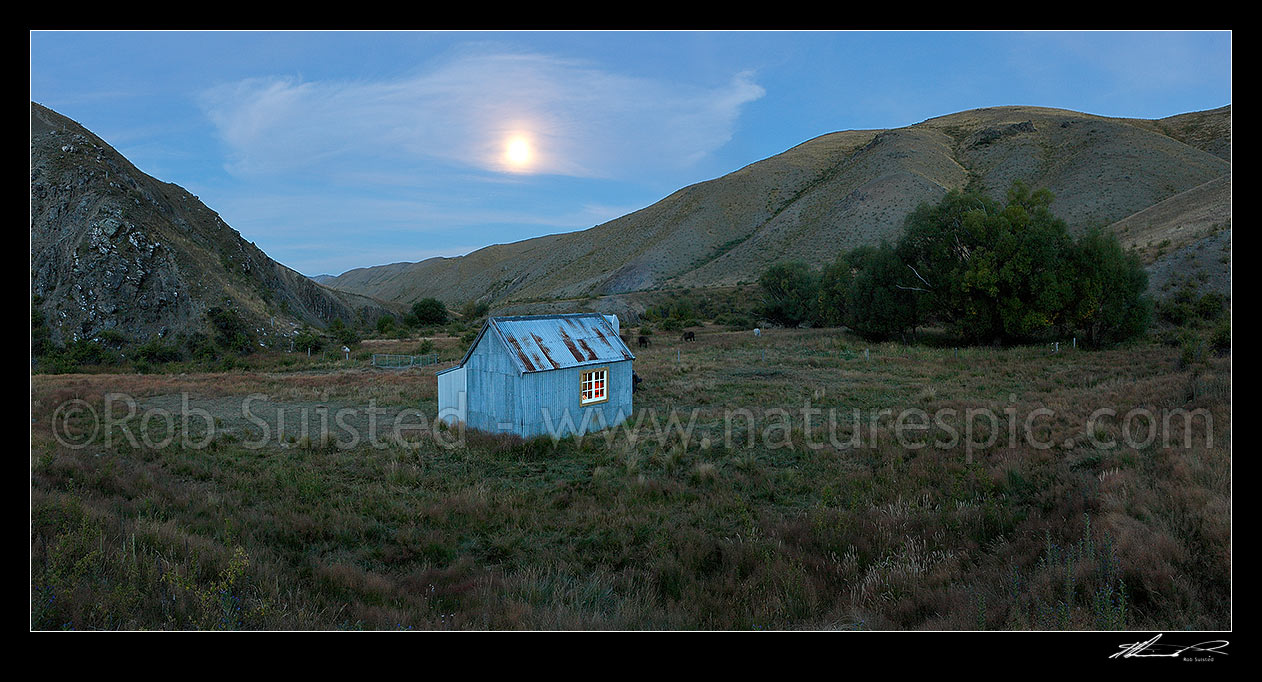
<point>593,386</point>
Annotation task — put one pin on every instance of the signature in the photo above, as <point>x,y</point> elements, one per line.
<point>1151,649</point>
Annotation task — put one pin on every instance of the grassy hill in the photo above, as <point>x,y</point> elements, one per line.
<point>1183,218</point>
<point>836,192</point>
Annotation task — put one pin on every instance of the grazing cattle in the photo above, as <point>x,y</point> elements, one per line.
<point>644,342</point>
<point>635,382</point>
<point>690,336</point>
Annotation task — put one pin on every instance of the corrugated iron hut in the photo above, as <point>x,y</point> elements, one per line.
<point>532,375</point>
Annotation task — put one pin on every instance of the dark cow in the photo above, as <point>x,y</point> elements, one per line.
<point>635,382</point>
<point>644,342</point>
<point>690,336</point>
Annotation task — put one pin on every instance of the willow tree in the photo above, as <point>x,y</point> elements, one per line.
<point>990,272</point>
<point>1110,303</point>
<point>860,290</point>
<point>790,294</point>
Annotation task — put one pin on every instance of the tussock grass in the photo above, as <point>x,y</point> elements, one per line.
<point>530,534</point>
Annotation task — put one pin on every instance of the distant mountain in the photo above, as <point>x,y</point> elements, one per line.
<point>836,192</point>
<point>321,279</point>
<point>114,249</point>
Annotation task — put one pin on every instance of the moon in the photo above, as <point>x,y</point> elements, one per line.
<point>518,153</point>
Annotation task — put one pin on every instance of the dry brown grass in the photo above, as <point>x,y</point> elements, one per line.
<point>506,533</point>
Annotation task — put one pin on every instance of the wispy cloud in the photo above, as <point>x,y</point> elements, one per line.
<point>317,261</point>
<point>332,216</point>
<point>583,121</point>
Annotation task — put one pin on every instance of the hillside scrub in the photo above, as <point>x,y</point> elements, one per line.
<point>343,334</point>
<point>473,311</point>
<point>1196,322</point>
<point>678,309</point>
<point>226,343</point>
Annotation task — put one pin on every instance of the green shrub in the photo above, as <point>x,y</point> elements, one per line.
<point>1192,349</point>
<point>734,321</point>
<point>230,330</point>
<point>1179,308</point>
<point>41,341</point>
<point>308,342</point>
<point>475,310</point>
<point>342,333</point>
<point>385,324</point>
<point>200,347</point>
<point>111,338</point>
<point>84,352</point>
<point>1211,305</point>
<point>157,352</point>
<point>430,312</point>
<point>1220,337</point>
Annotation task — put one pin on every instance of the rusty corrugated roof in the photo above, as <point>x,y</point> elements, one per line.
<point>540,343</point>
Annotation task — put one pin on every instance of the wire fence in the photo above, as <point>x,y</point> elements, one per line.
<point>387,361</point>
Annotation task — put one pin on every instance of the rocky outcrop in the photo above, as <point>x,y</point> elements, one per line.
<point>114,249</point>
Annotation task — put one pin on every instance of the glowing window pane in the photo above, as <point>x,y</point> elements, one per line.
<point>593,386</point>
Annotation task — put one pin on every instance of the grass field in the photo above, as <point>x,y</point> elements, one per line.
<point>740,514</point>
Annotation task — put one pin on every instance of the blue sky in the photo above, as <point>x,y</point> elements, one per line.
<point>336,150</point>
